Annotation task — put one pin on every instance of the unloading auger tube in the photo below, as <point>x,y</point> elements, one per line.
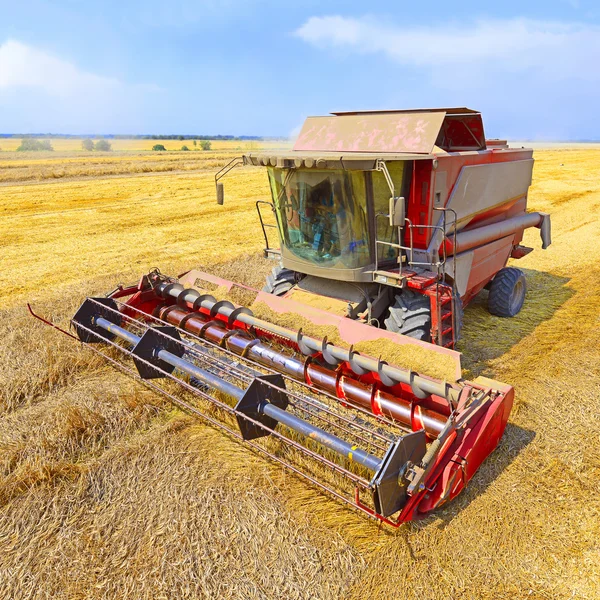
<point>333,355</point>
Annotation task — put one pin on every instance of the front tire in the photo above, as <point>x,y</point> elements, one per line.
<point>507,292</point>
<point>280,281</point>
<point>410,315</point>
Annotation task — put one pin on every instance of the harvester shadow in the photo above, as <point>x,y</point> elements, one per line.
<point>514,441</point>
<point>485,337</point>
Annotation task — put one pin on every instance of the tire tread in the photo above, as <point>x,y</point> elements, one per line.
<point>280,281</point>
<point>410,315</point>
<point>501,290</point>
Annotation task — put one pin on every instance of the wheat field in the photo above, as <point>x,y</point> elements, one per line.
<point>127,157</point>
<point>106,491</point>
<point>73,145</point>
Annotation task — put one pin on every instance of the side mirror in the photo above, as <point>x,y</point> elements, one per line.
<point>397,215</point>
<point>220,194</point>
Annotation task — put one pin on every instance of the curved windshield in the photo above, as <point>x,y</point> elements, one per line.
<point>322,215</point>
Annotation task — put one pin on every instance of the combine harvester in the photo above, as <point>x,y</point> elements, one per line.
<point>392,220</point>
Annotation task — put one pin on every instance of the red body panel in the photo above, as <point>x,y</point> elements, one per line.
<point>487,261</point>
<point>466,453</point>
<point>436,179</point>
<point>419,210</point>
<point>419,205</point>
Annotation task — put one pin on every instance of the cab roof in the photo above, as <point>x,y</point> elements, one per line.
<point>455,110</point>
<point>382,132</point>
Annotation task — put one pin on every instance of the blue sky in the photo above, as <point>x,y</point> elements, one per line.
<point>259,67</point>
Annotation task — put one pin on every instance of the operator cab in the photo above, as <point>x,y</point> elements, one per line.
<point>330,218</point>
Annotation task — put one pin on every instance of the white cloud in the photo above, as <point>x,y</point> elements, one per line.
<point>42,92</point>
<point>557,51</point>
<point>25,66</point>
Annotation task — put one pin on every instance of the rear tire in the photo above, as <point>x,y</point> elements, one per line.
<point>280,281</point>
<point>410,315</point>
<point>507,292</point>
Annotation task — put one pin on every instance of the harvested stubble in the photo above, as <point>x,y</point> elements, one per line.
<point>150,506</point>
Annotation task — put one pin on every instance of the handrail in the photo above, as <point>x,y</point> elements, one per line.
<point>268,249</point>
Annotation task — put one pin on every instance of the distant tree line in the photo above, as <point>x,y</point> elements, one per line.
<point>204,144</point>
<point>139,137</point>
<point>33,145</point>
<point>100,145</point>
<point>188,137</point>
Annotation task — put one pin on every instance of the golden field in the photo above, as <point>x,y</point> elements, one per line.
<point>127,157</point>
<point>73,145</point>
<point>107,492</point>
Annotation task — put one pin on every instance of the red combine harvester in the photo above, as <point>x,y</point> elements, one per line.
<point>393,220</point>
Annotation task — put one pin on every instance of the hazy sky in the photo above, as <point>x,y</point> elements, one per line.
<point>259,67</point>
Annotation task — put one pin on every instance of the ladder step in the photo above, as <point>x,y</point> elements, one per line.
<point>447,330</point>
<point>446,315</point>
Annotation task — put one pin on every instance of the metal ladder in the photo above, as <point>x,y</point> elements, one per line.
<point>443,313</point>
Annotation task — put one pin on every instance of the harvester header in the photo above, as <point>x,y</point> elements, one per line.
<point>388,440</point>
